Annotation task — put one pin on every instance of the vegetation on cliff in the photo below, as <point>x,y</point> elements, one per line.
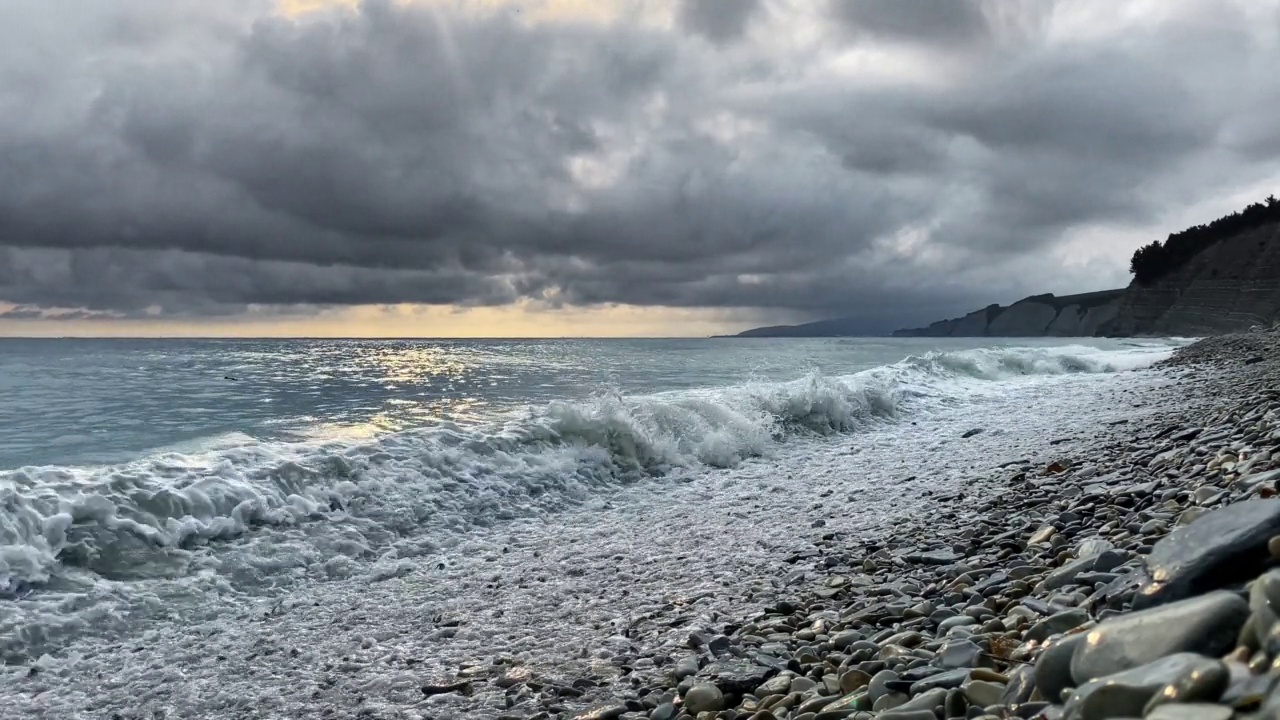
<point>1154,261</point>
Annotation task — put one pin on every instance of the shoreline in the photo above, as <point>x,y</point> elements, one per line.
<point>984,613</point>
<point>401,647</point>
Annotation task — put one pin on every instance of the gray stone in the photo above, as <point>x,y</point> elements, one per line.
<point>946,680</point>
<point>1109,560</point>
<point>982,693</point>
<point>802,684</point>
<point>844,639</point>
<point>844,707</point>
<point>605,711</point>
<point>958,621</point>
<point>737,677</point>
<point>685,667</point>
<point>958,653</point>
<point>879,685</point>
<point>1066,574</point>
<point>935,557</point>
<point>664,711</point>
<point>1022,682</point>
<point>1225,546</point>
<point>1056,624</point>
<point>1191,711</point>
<point>890,701</point>
<point>900,714</point>
<point>1125,694</point>
<point>1264,601</point>
<point>1208,625</point>
<point>776,686</point>
<point>704,697</point>
<point>1053,668</point>
<point>718,645</point>
<point>1092,547</point>
<point>924,701</point>
<point>1202,682</point>
<point>853,679</point>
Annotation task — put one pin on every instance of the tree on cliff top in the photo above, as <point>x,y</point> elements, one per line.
<point>1154,261</point>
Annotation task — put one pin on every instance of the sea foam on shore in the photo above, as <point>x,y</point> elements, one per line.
<point>597,598</point>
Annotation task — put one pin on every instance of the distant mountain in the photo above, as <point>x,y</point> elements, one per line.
<point>840,327</point>
<point>1036,316</point>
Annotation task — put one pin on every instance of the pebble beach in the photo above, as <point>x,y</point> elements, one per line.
<point>1133,580</point>
<point>1096,547</point>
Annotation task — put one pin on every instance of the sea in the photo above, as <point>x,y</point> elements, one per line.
<point>464,499</point>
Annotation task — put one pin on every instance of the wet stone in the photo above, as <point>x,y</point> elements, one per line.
<point>704,697</point>
<point>736,677</point>
<point>1264,600</point>
<point>664,711</point>
<point>983,693</point>
<point>1202,682</point>
<point>948,680</point>
<point>1126,694</point>
<point>1222,547</point>
<point>1208,625</point>
<point>959,654</point>
<point>1190,711</point>
<point>1022,682</point>
<point>935,557</point>
<point>1053,668</point>
<point>879,685</point>
<point>606,711</point>
<point>1066,574</point>
<point>1057,624</point>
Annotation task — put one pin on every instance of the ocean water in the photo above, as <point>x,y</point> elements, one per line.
<point>171,489</point>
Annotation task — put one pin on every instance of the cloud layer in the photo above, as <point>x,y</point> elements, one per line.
<point>886,160</point>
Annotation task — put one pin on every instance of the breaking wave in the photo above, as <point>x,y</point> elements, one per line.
<point>155,516</point>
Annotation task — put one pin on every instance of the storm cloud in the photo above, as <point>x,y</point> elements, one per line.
<point>893,161</point>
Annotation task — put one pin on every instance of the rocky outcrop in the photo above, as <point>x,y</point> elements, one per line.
<point>1230,286</point>
<point>1039,315</point>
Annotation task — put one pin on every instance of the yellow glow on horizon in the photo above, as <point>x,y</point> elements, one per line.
<point>525,320</point>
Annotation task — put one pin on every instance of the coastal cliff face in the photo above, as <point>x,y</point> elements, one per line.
<point>1230,286</point>
<point>1037,316</point>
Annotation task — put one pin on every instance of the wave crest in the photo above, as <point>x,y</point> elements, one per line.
<point>145,519</point>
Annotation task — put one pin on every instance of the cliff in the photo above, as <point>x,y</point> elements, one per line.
<point>1216,278</point>
<point>1036,316</point>
<point>1229,286</point>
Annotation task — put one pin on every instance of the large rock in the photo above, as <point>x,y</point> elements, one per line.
<point>735,678</point>
<point>1225,546</point>
<point>1126,694</point>
<point>704,697</point>
<point>1208,625</point>
<point>1053,668</point>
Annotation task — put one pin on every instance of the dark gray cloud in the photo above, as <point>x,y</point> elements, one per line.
<point>887,160</point>
<point>718,20</point>
<point>929,21</point>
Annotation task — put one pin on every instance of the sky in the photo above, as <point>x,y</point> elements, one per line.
<point>594,167</point>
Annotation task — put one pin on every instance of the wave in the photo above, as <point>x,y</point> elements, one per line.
<point>152,517</point>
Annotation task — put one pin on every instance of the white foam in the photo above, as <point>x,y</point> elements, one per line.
<point>323,508</point>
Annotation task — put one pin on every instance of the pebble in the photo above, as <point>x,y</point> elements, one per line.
<point>1208,624</point>
<point>1053,668</point>
<point>703,697</point>
<point>1224,546</point>
<point>1126,694</point>
<point>1191,711</point>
